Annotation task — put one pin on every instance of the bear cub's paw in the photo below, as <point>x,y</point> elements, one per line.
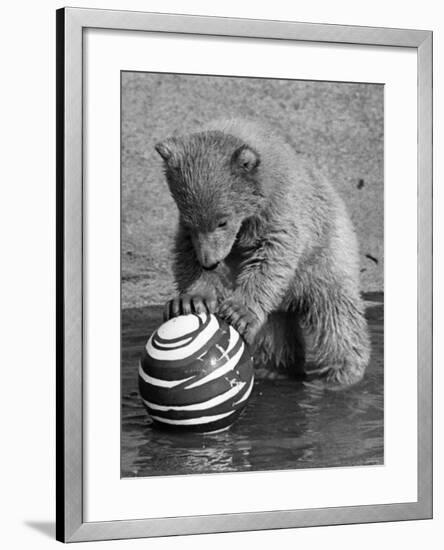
<point>189,303</point>
<point>243,319</point>
<point>335,377</point>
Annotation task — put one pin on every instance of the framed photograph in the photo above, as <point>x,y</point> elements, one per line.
<point>244,274</point>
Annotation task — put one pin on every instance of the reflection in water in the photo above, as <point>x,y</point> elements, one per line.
<point>286,425</point>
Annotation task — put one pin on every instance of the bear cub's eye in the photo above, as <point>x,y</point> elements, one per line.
<point>222,223</point>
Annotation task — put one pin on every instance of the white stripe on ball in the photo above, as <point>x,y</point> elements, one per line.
<point>190,421</point>
<point>181,353</point>
<point>178,326</point>
<point>159,382</point>
<point>173,345</point>
<point>246,394</point>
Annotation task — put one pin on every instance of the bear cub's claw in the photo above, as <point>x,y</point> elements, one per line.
<point>245,321</point>
<point>189,303</point>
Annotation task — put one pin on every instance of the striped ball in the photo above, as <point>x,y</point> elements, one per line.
<point>195,374</point>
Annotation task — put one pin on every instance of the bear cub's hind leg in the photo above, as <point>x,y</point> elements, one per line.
<point>279,349</point>
<point>339,344</point>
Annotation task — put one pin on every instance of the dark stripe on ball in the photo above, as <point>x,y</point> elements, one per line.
<point>180,396</point>
<point>232,403</point>
<point>200,428</point>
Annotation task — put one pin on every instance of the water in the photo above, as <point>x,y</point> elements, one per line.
<point>286,425</point>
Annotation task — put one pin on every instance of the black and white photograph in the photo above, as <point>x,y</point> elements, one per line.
<point>222,264</point>
<point>252,274</point>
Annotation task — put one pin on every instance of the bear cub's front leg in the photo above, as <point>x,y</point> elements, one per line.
<point>246,321</point>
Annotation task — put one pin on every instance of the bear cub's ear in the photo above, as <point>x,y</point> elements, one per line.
<point>245,159</point>
<point>168,151</point>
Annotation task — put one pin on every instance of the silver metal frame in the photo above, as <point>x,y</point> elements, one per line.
<point>71,23</point>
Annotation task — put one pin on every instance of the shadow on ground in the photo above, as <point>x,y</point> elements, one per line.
<point>45,527</point>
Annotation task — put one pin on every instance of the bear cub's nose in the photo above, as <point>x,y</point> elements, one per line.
<point>210,267</point>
